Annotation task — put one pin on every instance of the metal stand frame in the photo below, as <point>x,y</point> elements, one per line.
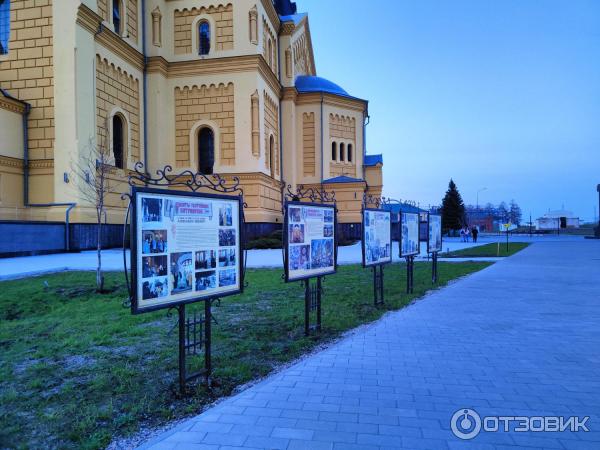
<point>378,285</point>
<point>375,202</point>
<point>410,274</point>
<point>434,267</point>
<point>312,303</point>
<point>313,292</point>
<point>195,332</point>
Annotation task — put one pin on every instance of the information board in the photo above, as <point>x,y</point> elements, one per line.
<point>309,240</point>
<point>434,237</point>
<point>409,234</point>
<point>186,247</point>
<point>377,237</point>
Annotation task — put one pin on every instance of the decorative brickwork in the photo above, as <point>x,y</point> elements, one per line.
<point>337,169</point>
<point>268,35</point>
<point>132,19</point>
<point>116,88</point>
<point>300,56</point>
<point>27,72</point>
<point>132,15</point>
<point>272,128</point>
<point>221,38</point>
<point>342,127</point>
<point>103,9</point>
<point>308,143</point>
<point>210,103</point>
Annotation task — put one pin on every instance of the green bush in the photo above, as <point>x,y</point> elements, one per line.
<point>271,240</point>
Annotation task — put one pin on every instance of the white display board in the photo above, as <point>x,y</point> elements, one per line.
<point>185,247</point>
<point>309,239</point>
<point>409,234</point>
<point>434,237</point>
<point>377,237</point>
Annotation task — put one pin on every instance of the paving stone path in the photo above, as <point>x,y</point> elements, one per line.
<point>520,338</point>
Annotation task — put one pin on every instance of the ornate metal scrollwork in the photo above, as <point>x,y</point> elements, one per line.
<point>370,200</point>
<point>389,201</point>
<point>310,193</point>
<point>194,181</point>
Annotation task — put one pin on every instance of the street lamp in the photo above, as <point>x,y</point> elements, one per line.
<point>598,227</point>
<point>480,190</point>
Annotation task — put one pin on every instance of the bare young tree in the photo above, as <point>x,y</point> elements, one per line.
<point>92,173</point>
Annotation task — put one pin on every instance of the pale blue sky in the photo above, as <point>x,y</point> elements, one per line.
<point>503,94</point>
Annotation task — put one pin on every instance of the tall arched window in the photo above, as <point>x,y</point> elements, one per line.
<point>342,151</point>
<point>334,151</point>
<point>118,140</point>
<point>117,15</point>
<point>349,153</point>
<point>271,156</point>
<point>206,151</point>
<point>204,38</point>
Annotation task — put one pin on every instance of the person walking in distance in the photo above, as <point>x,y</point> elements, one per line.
<point>474,233</point>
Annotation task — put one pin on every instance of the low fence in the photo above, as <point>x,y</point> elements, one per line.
<point>25,238</point>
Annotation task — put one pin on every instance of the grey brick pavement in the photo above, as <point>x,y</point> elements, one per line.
<point>519,338</point>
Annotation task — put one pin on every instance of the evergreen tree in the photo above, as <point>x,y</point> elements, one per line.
<point>503,212</point>
<point>515,213</point>
<point>453,209</point>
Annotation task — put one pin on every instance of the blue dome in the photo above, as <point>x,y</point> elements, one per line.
<point>317,84</point>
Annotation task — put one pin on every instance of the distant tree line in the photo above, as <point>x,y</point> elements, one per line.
<point>507,213</point>
<point>455,215</point>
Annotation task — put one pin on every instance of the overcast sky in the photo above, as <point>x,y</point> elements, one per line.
<point>503,95</point>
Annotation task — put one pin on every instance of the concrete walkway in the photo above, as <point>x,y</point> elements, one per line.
<point>517,339</point>
<point>112,260</point>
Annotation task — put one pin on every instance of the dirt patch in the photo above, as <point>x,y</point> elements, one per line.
<point>77,362</point>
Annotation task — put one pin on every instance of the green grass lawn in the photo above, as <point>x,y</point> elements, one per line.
<point>487,250</point>
<point>77,368</point>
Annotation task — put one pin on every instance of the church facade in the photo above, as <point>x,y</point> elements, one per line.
<point>202,85</point>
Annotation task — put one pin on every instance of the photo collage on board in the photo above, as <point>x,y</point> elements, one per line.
<point>154,254</point>
<point>377,237</point>
<point>311,239</point>
<point>188,247</point>
<point>410,233</point>
<point>435,233</point>
<point>227,259</point>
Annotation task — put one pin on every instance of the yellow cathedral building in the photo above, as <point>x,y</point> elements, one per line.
<point>224,87</point>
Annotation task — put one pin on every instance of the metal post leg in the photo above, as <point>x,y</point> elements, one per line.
<point>434,265</point>
<point>182,329</point>
<point>408,274</point>
<point>307,307</point>
<point>207,340</point>
<point>381,285</point>
<point>318,304</point>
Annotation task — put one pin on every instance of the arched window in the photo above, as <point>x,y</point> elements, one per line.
<point>342,151</point>
<point>206,151</point>
<point>270,53</point>
<point>117,15</point>
<point>203,38</point>
<point>271,155</point>
<point>334,151</point>
<point>118,140</point>
<point>349,153</point>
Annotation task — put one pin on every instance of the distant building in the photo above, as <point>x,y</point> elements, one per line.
<point>483,219</point>
<point>554,220</point>
<point>397,208</point>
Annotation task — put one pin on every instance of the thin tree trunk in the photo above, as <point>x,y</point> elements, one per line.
<point>99,277</point>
